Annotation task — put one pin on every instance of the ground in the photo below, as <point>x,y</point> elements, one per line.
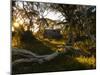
<point>71,60</point>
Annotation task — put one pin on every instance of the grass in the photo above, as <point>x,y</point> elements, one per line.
<point>33,45</point>
<point>54,44</point>
<point>88,61</point>
<point>71,60</point>
<point>62,62</point>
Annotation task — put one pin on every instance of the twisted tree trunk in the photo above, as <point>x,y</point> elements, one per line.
<point>32,57</point>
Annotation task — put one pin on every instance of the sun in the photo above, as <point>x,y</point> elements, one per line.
<point>15,24</point>
<point>13,29</point>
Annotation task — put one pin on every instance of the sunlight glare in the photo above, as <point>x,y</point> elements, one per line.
<point>16,25</point>
<point>12,29</point>
<point>20,22</point>
<point>25,28</point>
<point>36,28</point>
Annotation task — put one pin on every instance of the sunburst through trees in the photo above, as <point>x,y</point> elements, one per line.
<point>52,37</point>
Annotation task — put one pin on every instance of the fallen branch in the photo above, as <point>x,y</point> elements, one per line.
<point>22,60</point>
<point>32,57</point>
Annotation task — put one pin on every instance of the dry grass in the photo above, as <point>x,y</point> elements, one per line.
<point>88,61</point>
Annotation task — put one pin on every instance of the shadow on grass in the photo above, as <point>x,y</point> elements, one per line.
<point>63,62</point>
<point>28,41</point>
<point>60,63</point>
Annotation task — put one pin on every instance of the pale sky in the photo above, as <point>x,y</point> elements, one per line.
<point>51,15</point>
<point>47,14</point>
<point>54,16</point>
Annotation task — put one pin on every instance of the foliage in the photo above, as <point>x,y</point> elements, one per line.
<point>77,25</point>
<point>89,61</point>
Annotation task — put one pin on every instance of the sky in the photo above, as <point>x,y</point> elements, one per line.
<point>51,15</point>
<point>54,15</point>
